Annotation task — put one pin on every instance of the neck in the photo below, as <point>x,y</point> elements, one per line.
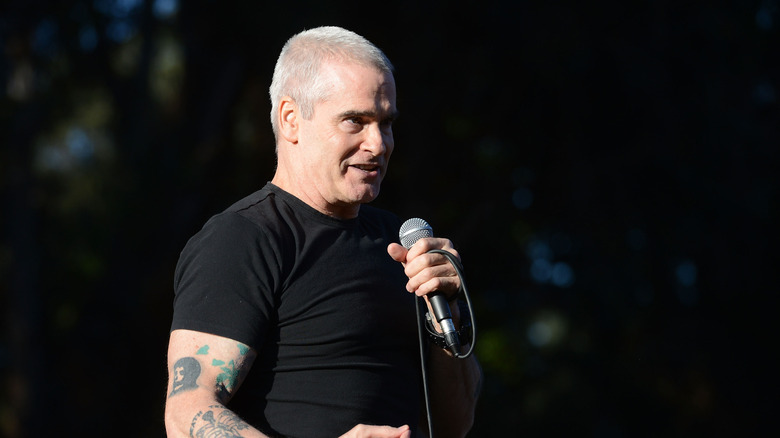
<point>290,183</point>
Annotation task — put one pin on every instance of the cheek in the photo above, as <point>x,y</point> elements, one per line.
<point>389,145</point>
<point>335,146</point>
<point>387,139</point>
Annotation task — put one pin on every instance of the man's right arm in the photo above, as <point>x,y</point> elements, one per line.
<point>204,372</point>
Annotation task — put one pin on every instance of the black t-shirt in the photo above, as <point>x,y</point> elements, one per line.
<point>320,300</point>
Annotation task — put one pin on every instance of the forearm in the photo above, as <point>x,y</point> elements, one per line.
<point>454,389</point>
<point>191,417</point>
<point>205,371</point>
<point>454,384</point>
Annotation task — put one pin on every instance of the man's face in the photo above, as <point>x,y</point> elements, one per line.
<point>346,146</point>
<point>178,376</point>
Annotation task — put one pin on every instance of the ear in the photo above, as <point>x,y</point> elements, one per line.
<point>288,119</point>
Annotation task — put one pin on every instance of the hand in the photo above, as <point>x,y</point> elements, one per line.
<point>366,431</point>
<point>427,272</point>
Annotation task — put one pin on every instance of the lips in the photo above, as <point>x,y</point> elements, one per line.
<point>367,167</point>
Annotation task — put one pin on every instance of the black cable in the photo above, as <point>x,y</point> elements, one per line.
<point>423,363</point>
<point>462,291</point>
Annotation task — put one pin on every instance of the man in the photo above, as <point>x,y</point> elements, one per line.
<point>295,294</point>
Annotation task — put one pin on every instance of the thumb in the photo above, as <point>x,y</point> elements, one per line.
<point>406,431</point>
<point>397,252</point>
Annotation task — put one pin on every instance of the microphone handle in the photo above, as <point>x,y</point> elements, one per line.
<point>411,231</point>
<point>441,311</point>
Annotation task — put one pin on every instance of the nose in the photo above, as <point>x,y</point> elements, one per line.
<point>377,141</point>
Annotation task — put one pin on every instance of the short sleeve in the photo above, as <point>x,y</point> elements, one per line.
<point>225,281</point>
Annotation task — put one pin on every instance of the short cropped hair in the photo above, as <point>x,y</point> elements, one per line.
<point>297,71</point>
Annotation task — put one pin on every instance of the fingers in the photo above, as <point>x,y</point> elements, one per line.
<point>367,431</point>
<point>427,272</point>
<point>422,246</point>
<point>397,252</point>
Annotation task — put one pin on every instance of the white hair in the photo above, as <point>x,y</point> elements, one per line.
<point>297,71</point>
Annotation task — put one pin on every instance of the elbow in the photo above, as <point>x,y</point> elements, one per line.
<point>173,428</point>
<point>467,415</point>
<point>456,426</point>
<point>456,422</point>
<point>466,423</point>
<point>467,419</point>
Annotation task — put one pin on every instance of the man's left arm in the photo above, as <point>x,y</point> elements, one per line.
<point>454,384</point>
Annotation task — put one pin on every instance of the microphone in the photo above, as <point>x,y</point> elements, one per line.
<point>411,231</point>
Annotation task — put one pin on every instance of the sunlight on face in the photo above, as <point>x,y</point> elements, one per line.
<point>346,146</point>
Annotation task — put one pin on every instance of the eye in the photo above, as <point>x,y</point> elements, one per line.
<point>353,124</point>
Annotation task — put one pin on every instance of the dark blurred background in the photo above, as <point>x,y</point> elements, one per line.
<point>606,168</point>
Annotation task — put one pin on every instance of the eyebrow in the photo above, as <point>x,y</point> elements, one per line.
<point>369,114</point>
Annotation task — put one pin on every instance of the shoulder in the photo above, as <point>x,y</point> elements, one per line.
<point>244,234</point>
<point>258,216</point>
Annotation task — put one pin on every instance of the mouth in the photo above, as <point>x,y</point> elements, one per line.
<point>367,168</point>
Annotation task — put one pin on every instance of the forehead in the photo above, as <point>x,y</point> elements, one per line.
<point>351,81</point>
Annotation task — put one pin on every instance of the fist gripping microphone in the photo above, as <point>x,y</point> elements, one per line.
<point>411,231</point>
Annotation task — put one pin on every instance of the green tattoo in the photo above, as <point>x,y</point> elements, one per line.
<point>227,379</point>
<point>229,374</point>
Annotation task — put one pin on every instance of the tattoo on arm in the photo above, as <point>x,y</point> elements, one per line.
<point>185,375</point>
<point>187,370</point>
<point>227,379</point>
<point>217,422</point>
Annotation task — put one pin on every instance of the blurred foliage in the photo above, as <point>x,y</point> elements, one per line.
<point>607,170</point>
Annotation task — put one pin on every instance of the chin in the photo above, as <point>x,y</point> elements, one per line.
<point>368,196</point>
<point>360,192</point>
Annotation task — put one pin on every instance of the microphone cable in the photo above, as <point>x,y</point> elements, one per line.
<point>462,292</point>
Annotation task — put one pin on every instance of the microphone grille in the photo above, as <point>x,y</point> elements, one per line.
<point>413,230</point>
